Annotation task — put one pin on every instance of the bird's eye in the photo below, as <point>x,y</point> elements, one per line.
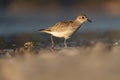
<point>83,17</point>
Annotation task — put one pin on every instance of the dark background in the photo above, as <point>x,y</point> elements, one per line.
<point>30,15</point>
<point>21,19</point>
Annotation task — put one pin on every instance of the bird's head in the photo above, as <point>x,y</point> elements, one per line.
<point>83,18</point>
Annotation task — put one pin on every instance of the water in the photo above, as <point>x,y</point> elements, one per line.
<point>32,23</point>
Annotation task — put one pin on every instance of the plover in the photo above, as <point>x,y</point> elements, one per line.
<point>65,29</point>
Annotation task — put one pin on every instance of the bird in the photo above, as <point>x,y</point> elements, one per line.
<point>65,29</point>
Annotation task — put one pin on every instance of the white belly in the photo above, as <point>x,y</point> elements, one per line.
<point>62,34</point>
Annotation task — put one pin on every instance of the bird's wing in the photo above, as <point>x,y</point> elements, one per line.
<point>60,26</point>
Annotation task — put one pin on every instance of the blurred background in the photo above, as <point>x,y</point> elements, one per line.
<point>93,52</point>
<point>20,20</point>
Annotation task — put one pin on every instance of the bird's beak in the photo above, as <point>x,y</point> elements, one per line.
<point>89,20</point>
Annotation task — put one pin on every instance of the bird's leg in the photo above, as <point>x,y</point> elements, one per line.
<point>52,42</point>
<point>65,43</point>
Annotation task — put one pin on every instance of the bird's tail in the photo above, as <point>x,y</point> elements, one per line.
<point>41,30</point>
<point>44,30</point>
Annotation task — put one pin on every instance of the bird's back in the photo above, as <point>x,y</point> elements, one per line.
<point>61,26</point>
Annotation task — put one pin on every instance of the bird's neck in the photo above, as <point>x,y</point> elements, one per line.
<point>77,23</point>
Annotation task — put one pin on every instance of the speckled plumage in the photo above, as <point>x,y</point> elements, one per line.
<point>65,29</point>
